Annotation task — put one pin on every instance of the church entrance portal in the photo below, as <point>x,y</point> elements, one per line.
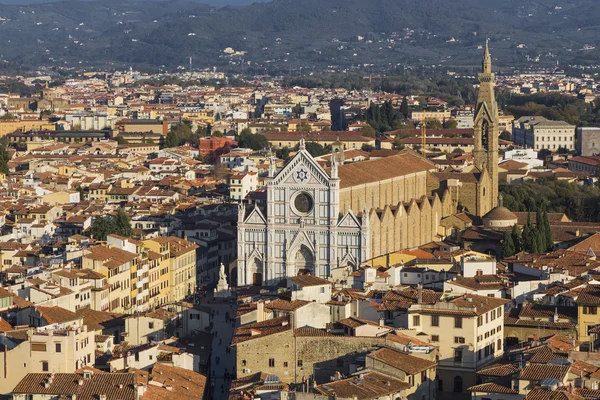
<point>305,264</point>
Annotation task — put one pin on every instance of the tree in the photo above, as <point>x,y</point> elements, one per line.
<point>397,145</point>
<point>508,246</point>
<point>544,154</point>
<point>527,236</point>
<point>451,124</point>
<point>4,159</point>
<point>505,135</point>
<point>284,153</point>
<point>172,140</point>
<point>122,224</point>
<point>458,150</point>
<point>7,116</point>
<point>404,107</point>
<point>516,238</point>
<point>303,127</point>
<point>434,124</point>
<point>315,149</point>
<point>297,111</point>
<point>102,227</point>
<point>547,231</point>
<point>120,139</point>
<point>254,142</point>
<point>368,131</point>
<point>217,134</point>
<point>367,147</point>
<point>541,235</point>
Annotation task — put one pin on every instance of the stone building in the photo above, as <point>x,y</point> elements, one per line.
<point>317,220</point>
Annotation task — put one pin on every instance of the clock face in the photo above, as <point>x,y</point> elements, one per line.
<point>303,203</point>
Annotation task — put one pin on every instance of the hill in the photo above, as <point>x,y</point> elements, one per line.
<point>292,34</point>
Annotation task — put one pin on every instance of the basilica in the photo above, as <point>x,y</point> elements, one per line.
<point>320,219</point>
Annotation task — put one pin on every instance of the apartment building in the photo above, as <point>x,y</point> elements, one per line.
<point>468,331</point>
<point>178,270</point>
<point>242,184</point>
<point>539,133</point>
<point>116,265</point>
<point>45,350</point>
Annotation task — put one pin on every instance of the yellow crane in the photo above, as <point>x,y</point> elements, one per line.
<point>423,134</point>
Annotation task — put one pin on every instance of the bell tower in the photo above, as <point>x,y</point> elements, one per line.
<point>486,129</point>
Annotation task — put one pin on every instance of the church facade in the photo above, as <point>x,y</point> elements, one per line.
<point>317,219</point>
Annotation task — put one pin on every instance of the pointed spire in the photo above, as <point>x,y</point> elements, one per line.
<point>487,59</point>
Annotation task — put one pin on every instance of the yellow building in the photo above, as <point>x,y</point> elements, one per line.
<point>430,115</point>
<point>116,265</point>
<point>588,303</point>
<point>177,270</point>
<point>11,126</point>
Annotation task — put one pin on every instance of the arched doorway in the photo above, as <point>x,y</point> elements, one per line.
<point>255,272</point>
<point>458,384</point>
<point>304,261</point>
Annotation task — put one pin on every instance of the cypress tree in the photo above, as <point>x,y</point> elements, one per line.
<point>548,232</point>
<point>527,237</point>
<point>508,246</point>
<point>123,224</point>
<point>539,228</point>
<point>516,238</point>
<point>404,107</point>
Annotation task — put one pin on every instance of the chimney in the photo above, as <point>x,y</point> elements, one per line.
<point>260,311</point>
<point>381,321</point>
<point>420,294</point>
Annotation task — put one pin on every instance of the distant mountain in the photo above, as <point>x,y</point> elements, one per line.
<point>292,34</point>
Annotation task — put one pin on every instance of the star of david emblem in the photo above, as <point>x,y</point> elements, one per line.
<point>302,175</point>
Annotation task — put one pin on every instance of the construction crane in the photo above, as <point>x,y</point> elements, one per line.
<point>423,134</point>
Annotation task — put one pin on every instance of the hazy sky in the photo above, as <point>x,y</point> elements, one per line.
<point>212,2</point>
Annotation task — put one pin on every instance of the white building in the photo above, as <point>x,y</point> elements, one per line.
<point>242,184</point>
<point>539,133</point>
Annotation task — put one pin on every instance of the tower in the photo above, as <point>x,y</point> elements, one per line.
<point>486,130</point>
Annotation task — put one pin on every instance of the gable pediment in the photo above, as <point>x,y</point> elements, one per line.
<point>349,221</point>
<point>484,113</point>
<point>302,170</point>
<point>256,217</point>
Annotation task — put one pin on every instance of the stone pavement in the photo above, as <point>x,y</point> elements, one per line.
<point>222,333</point>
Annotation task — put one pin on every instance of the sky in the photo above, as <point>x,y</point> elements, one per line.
<point>211,2</point>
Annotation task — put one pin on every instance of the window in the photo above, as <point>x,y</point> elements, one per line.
<point>243,363</point>
<point>435,320</point>
<point>479,320</point>
<point>499,344</point>
<point>137,356</point>
<point>592,310</point>
<point>45,366</point>
<point>272,362</point>
<point>150,325</point>
<point>416,320</point>
<point>459,339</point>
<point>57,347</point>
<point>38,346</point>
<point>435,338</point>
<point>299,363</point>
<point>458,355</point>
<point>458,322</point>
<point>423,376</point>
<point>411,380</point>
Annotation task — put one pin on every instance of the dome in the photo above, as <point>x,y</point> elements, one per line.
<point>500,213</point>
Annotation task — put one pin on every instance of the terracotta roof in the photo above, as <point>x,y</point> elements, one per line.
<point>360,173</point>
<point>56,315</point>
<point>411,365</point>
<point>500,213</point>
<point>492,387</point>
<point>308,280</point>
<point>116,386</point>
<point>369,385</point>
<point>286,305</point>
<point>545,394</point>
<point>261,329</point>
<point>174,383</point>
<point>498,370</point>
<point>537,372</point>
<point>99,320</point>
<point>590,295</point>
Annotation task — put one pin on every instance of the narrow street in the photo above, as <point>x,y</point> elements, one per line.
<point>222,363</point>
